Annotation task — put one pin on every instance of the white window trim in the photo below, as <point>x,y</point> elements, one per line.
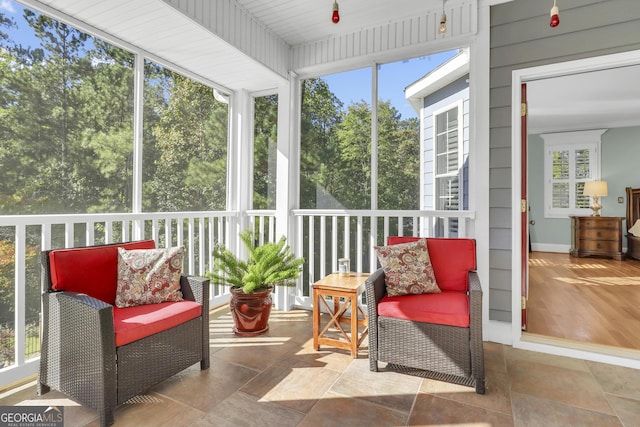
<point>460,105</point>
<point>570,140</point>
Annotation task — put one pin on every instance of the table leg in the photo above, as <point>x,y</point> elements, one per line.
<point>354,326</point>
<point>316,319</point>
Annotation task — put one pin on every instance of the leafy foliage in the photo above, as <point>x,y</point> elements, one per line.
<point>267,265</point>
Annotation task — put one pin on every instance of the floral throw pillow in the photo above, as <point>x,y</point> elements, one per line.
<point>149,276</point>
<point>407,268</point>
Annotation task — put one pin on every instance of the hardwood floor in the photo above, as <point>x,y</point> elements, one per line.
<point>590,299</point>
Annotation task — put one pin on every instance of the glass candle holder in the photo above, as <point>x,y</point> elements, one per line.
<point>344,266</point>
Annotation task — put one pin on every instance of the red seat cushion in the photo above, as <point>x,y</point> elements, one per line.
<point>140,321</point>
<point>446,308</point>
<point>92,271</point>
<point>451,259</point>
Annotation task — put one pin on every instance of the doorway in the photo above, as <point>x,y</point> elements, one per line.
<point>549,113</point>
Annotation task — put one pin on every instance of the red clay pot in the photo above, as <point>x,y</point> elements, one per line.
<point>250,312</point>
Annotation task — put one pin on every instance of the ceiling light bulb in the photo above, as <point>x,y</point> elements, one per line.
<point>555,15</point>
<point>443,24</point>
<point>335,17</point>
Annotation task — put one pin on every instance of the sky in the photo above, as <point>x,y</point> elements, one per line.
<point>12,9</point>
<point>349,87</point>
<point>393,78</point>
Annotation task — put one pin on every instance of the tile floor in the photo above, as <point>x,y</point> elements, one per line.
<point>278,379</point>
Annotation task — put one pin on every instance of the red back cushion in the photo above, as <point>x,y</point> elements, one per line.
<point>92,270</point>
<point>451,258</point>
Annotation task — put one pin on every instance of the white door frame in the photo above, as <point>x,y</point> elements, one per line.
<point>628,358</point>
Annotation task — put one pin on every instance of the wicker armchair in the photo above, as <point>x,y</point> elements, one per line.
<point>79,356</point>
<point>439,351</point>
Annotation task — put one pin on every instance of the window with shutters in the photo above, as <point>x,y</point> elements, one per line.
<point>448,164</point>
<point>571,159</point>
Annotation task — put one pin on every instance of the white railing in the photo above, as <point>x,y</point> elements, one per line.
<point>321,236</point>
<point>324,236</point>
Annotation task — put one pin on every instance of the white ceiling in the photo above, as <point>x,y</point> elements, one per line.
<point>594,100</point>
<point>301,21</point>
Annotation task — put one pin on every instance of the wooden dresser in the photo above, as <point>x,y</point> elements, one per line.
<point>596,235</point>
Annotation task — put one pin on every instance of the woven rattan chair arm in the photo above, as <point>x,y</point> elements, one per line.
<point>474,282</point>
<point>475,297</point>
<point>195,289</point>
<point>375,287</point>
<point>71,299</point>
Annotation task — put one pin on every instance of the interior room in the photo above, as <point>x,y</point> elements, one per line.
<point>563,106</point>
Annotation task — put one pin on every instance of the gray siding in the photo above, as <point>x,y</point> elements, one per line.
<point>521,38</point>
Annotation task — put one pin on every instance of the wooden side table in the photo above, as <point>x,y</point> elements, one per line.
<point>337,286</point>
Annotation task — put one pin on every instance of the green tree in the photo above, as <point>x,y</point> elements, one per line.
<point>319,151</point>
<point>191,138</point>
<point>264,149</point>
<point>398,159</point>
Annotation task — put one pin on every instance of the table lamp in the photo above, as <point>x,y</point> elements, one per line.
<point>595,189</point>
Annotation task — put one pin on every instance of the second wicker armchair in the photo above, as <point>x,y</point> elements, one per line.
<point>435,335</point>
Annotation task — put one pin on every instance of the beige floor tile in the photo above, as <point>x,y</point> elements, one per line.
<point>161,411</point>
<point>617,379</point>
<point>203,390</point>
<point>337,410</point>
<point>431,410</point>
<point>256,352</point>
<point>330,358</point>
<point>533,411</point>
<point>391,389</point>
<point>241,409</point>
<point>496,397</point>
<point>298,388</point>
<point>573,387</point>
<point>494,357</point>
<point>628,410</point>
<point>513,354</point>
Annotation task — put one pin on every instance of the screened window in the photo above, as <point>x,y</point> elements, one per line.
<point>66,129</point>
<point>265,139</point>
<point>185,143</point>
<point>335,163</point>
<point>399,136</point>
<point>571,159</point>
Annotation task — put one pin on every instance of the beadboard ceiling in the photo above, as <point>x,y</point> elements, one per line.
<point>302,21</point>
<point>159,28</point>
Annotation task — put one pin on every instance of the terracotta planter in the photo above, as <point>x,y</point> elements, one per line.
<point>250,312</point>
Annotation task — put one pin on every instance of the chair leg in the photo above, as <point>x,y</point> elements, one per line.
<point>373,365</point>
<point>106,417</point>
<point>42,388</point>
<point>480,385</point>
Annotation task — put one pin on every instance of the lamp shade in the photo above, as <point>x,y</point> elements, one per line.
<point>595,188</point>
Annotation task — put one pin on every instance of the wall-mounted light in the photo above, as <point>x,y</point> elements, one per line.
<point>443,20</point>
<point>555,15</point>
<point>335,16</point>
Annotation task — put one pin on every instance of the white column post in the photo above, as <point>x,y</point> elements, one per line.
<point>240,166</point>
<point>138,117</point>
<point>288,172</point>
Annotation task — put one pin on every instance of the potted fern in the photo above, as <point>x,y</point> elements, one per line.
<point>252,281</point>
